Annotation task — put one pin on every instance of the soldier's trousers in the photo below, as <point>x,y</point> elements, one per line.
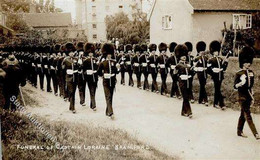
<point>138,77</point>
<point>154,83</point>
<point>61,84</point>
<point>71,86</point>
<point>7,96</point>
<point>245,116</point>
<point>34,77</point>
<point>109,91</point>
<point>191,88</point>
<point>203,94</point>
<point>54,78</point>
<point>122,77</point>
<point>218,98</point>
<point>48,79</point>
<point>131,81</point>
<point>41,76</point>
<point>186,108</point>
<point>92,87</point>
<point>164,86</point>
<point>146,84</point>
<point>175,89</point>
<point>82,88</point>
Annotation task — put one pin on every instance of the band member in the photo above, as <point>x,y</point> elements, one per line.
<point>90,66</point>
<point>129,66</point>
<point>153,66</point>
<point>81,78</point>
<point>190,60</point>
<point>13,78</point>
<point>60,73</point>
<point>216,67</point>
<point>171,63</point>
<point>200,68</point>
<point>34,66</point>
<point>121,60</point>
<point>244,81</point>
<point>108,69</point>
<point>70,65</point>
<point>161,62</point>
<point>144,65</point>
<point>137,65</point>
<point>184,73</point>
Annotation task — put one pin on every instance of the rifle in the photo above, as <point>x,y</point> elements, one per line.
<point>224,38</point>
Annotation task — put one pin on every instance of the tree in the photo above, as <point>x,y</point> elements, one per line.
<point>128,31</point>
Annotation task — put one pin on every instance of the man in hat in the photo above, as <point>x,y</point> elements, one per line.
<point>108,69</point>
<point>161,62</point>
<point>200,67</point>
<point>153,66</point>
<point>90,66</point>
<point>244,81</point>
<point>34,66</point>
<point>40,67</point>
<point>13,79</point>
<point>46,67</point>
<point>171,63</point>
<point>121,60</point>
<point>216,67</point>
<point>81,77</point>
<point>70,66</point>
<point>128,62</point>
<point>144,65</point>
<point>53,61</point>
<point>185,74</point>
<point>137,65</point>
<point>190,60</point>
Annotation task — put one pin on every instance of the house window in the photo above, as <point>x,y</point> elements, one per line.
<point>94,36</point>
<point>120,6</point>
<point>242,21</point>
<point>167,22</point>
<point>94,9</point>
<point>94,26</point>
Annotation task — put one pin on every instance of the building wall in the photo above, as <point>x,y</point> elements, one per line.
<point>181,11</point>
<point>102,9</point>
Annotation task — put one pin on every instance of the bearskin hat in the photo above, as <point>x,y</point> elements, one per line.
<point>57,48</point>
<point>121,48</point>
<point>189,46</point>
<point>107,48</point>
<point>128,47</point>
<point>172,46</point>
<point>89,48</point>
<point>246,56</point>
<point>181,50</point>
<point>162,47</point>
<point>152,47</point>
<point>201,46</point>
<point>47,49</point>
<point>144,48</point>
<point>70,47</point>
<point>80,45</point>
<point>214,46</point>
<point>137,48</point>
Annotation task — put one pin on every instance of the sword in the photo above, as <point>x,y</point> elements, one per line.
<point>21,93</point>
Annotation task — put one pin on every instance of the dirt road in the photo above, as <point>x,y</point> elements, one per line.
<point>156,121</point>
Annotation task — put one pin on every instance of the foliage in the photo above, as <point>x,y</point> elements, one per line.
<point>128,31</point>
<point>244,37</point>
<point>15,22</point>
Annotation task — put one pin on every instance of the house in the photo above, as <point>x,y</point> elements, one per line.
<point>91,14</point>
<point>4,30</point>
<point>196,20</point>
<point>60,23</point>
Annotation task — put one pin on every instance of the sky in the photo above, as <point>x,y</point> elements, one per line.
<point>69,6</point>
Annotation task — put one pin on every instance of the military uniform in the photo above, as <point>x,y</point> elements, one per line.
<point>190,60</point>
<point>137,65</point>
<point>144,66</point>
<point>153,67</point>
<point>129,66</point>
<point>244,81</point>
<point>108,70</point>
<point>161,63</point>
<point>171,63</point>
<point>121,60</point>
<point>184,73</point>
<point>216,67</point>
